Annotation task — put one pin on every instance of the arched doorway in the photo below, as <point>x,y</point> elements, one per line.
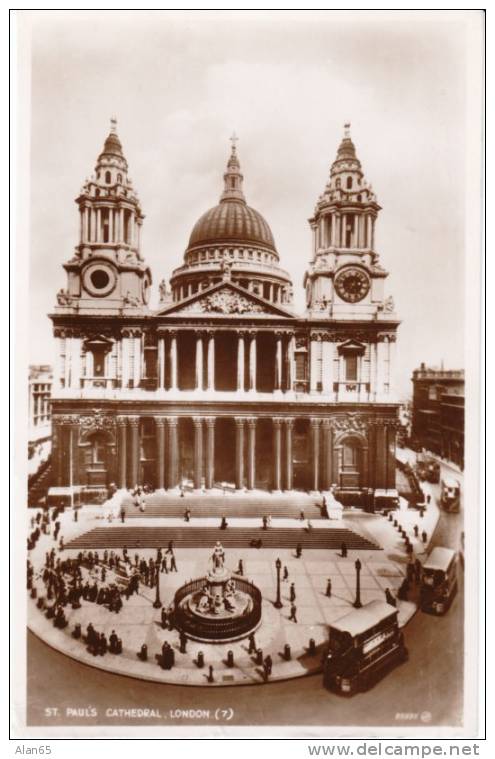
<point>350,455</point>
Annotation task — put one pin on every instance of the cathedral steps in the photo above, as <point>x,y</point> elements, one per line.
<point>232,537</point>
<point>287,507</point>
<point>39,484</point>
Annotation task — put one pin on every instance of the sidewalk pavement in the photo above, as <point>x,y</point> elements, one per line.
<point>138,622</point>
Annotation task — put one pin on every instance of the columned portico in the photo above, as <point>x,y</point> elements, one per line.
<point>173,361</point>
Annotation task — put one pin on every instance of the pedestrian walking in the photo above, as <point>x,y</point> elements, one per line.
<point>252,644</point>
<point>328,591</point>
<point>298,550</point>
<point>293,612</point>
<point>285,575</point>
<point>343,550</point>
<point>292,592</point>
<point>173,565</point>
<point>416,530</point>
<point>240,568</point>
<point>424,536</point>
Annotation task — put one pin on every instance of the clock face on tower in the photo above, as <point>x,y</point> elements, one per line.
<point>352,284</point>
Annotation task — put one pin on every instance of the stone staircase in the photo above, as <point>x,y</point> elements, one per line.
<point>39,483</point>
<point>232,537</point>
<point>238,505</point>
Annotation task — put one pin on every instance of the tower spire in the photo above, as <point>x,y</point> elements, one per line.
<point>233,177</point>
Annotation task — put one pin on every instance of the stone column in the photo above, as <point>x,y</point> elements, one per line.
<point>210,452</point>
<point>99,235</point>
<point>278,362</point>
<point>125,361</point>
<point>122,447</point>
<point>240,362</point>
<point>57,443</point>
<point>121,226</point>
<point>315,452</point>
<point>161,362</point>
<point>198,451</point>
<point>368,230</point>
<point>160,452</point>
<point>252,362</point>
<point>199,362</point>
<point>173,452</point>
<point>210,384</point>
<point>327,454</point>
<point>239,452</point>
<point>251,462</point>
<point>390,438</point>
<point>289,476</point>
<point>277,454</point>
<point>110,225</point>
<point>173,361</point>
<point>134,425</point>
<point>81,225</point>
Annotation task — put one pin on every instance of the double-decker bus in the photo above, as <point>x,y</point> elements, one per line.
<point>363,646</point>
<point>450,494</point>
<point>438,580</point>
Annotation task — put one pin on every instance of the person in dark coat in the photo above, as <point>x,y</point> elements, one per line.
<point>292,592</point>
<point>285,575</point>
<point>343,550</point>
<point>328,592</point>
<point>293,612</point>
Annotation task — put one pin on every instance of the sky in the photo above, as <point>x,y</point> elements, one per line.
<point>179,85</point>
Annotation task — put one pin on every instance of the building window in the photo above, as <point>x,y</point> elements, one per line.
<point>119,178</point>
<point>337,183</point>
<point>351,366</point>
<point>349,183</point>
<point>108,177</point>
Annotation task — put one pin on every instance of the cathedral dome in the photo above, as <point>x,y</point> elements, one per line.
<point>232,221</point>
<point>235,234</point>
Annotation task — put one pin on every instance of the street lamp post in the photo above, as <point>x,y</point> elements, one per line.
<point>157,603</point>
<point>357,603</point>
<point>278,602</point>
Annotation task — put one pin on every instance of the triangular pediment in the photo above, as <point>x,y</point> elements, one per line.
<point>225,299</point>
<point>352,346</point>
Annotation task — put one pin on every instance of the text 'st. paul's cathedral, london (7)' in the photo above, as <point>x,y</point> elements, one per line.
<point>223,384</point>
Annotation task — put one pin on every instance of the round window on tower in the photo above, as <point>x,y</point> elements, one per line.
<point>99,279</point>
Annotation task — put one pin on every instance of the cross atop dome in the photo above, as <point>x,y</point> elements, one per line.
<point>347,130</point>
<point>233,177</point>
<point>113,125</point>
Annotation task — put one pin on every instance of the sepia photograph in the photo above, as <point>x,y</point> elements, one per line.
<point>247,425</point>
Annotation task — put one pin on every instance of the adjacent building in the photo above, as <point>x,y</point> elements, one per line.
<point>224,382</point>
<point>438,412</point>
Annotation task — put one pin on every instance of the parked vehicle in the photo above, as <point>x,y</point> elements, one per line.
<point>450,494</point>
<point>363,646</point>
<point>438,580</point>
<point>427,468</point>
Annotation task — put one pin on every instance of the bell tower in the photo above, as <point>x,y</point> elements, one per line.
<point>344,279</point>
<point>107,272</point>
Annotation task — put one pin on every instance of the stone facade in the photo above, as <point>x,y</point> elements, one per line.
<point>224,383</point>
